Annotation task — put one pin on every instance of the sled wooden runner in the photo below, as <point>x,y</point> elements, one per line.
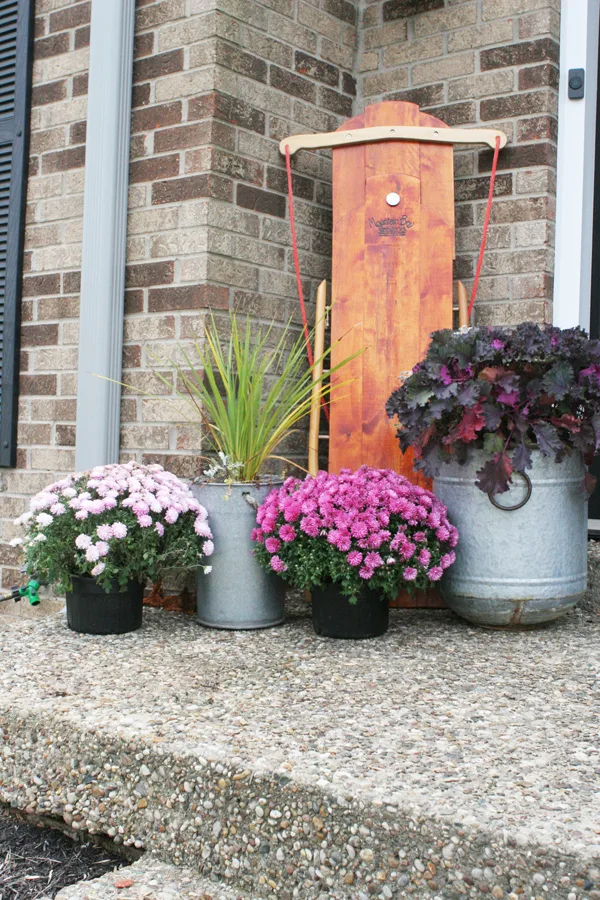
<point>393,250</point>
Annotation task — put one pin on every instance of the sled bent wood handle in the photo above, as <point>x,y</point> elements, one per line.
<point>393,133</point>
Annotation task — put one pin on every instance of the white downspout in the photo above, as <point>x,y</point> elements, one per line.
<point>575,167</point>
<point>104,233</point>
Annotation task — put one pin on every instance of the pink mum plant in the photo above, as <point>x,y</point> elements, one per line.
<point>371,527</point>
<point>118,522</point>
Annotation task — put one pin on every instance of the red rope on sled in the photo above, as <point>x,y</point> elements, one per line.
<point>486,226</point>
<point>309,350</point>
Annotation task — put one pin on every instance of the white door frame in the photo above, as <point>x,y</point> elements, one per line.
<point>575,168</point>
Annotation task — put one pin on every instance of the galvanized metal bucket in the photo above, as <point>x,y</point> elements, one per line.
<point>521,557</point>
<point>238,593</point>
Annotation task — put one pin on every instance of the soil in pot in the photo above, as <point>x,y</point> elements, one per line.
<point>90,610</point>
<point>334,616</point>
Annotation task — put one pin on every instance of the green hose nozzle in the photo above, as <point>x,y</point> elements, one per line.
<point>30,592</point>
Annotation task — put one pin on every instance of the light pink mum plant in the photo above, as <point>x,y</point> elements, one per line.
<point>370,528</point>
<point>116,522</point>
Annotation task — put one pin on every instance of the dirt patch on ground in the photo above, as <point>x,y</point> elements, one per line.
<point>591,600</point>
<point>37,862</point>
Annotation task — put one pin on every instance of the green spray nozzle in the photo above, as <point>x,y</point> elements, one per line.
<point>29,592</point>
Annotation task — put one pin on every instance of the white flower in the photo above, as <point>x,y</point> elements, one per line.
<point>207,570</point>
<point>58,509</point>
<point>102,548</point>
<point>81,515</point>
<point>92,554</point>
<point>40,538</point>
<point>69,492</point>
<point>98,570</point>
<point>44,519</point>
<point>209,548</point>
<point>119,530</point>
<point>16,542</point>
<point>83,541</point>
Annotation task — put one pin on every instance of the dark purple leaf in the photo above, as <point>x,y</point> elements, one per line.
<point>521,458</point>
<point>494,475</point>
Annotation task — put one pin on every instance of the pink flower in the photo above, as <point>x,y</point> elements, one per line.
<point>424,557</point>
<point>419,537</point>
<point>410,574</point>
<point>278,564</point>
<point>448,559</point>
<point>102,548</point>
<point>104,532</point>
<point>310,526</point>
<point>83,541</point>
<point>442,533</point>
<point>159,528</point>
<point>81,515</point>
<point>140,509</point>
<point>145,521</point>
<point>119,530</point>
<point>209,548</point>
<point>373,560</point>
<point>201,528</point>
<point>354,558</point>
<point>57,509</point>
<point>435,573</point>
<point>365,573</point>
<point>98,569</point>
<point>287,533</point>
<point>92,554</point>
<point>407,550</point>
<point>359,530</point>
<point>171,515</point>
<point>273,544</point>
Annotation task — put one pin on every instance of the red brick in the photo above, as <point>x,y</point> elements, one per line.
<point>260,201</point>
<point>183,137</point>
<point>71,282</point>
<point>241,62</point>
<point>227,109</point>
<point>140,95</point>
<point>303,187</point>
<point>52,92</point>
<point>192,188</point>
<point>77,133</point>
<point>41,285</point>
<point>132,356</point>
<point>51,46</point>
<point>154,168</point>
<point>39,335</point>
<point>402,9</point>
<point>80,85</point>
<point>35,433</point>
<point>144,44</point>
<point>38,385</point>
<point>192,297</point>
<point>316,69</point>
<point>71,17</point>
<point>65,435</point>
<point>341,9</point>
<point>519,54</point>
<point>156,66</point>
<point>538,76</point>
<point>292,84</point>
<point>149,274</point>
<point>152,117</point>
<point>63,160</point>
<point>478,188</point>
<point>134,302</point>
<point>520,156</point>
<point>82,37</point>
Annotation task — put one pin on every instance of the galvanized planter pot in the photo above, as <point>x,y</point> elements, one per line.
<point>238,594</point>
<point>520,566</point>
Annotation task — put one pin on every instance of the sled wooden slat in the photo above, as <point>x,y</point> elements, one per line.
<point>391,282</point>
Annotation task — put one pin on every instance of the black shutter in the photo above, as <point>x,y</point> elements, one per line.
<point>16,34</point>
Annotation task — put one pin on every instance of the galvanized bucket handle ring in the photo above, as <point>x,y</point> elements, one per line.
<point>250,500</point>
<point>526,498</point>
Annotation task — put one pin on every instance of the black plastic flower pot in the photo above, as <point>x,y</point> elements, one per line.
<point>90,610</point>
<point>334,616</point>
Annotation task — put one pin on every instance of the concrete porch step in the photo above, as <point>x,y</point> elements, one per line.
<point>150,879</point>
<point>439,761</point>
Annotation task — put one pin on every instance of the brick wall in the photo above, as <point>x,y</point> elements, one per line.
<point>50,307</point>
<point>492,63</point>
<point>217,84</point>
